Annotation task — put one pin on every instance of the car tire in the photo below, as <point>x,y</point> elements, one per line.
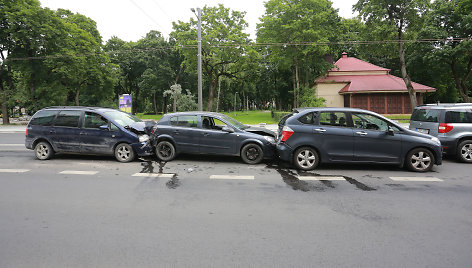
<point>165,151</point>
<point>420,160</point>
<point>43,150</point>
<point>252,154</point>
<point>124,153</point>
<point>464,151</point>
<point>306,158</point>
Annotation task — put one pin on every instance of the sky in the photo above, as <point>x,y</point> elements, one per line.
<point>130,20</point>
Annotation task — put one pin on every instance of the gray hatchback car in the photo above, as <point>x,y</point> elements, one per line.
<point>451,123</point>
<point>345,135</point>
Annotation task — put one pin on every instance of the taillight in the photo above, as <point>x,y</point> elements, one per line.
<point>286,133</point>
<point>26,132</point>
<point>409,124</point>
<point>444,128</point>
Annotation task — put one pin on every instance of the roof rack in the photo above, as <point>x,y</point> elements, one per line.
<point>447,104</point>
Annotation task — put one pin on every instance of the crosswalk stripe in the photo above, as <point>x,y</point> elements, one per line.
<point>320,178</point>
<point>158,175</point>
<point>78,172</point>
<point>231,177</point>
<point>415,179</point>
<point>9,170</point>
<point>8,145</point>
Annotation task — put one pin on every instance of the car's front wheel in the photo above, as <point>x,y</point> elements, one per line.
<point>420,160</point>
<point>124,153</point>
<point>165,151</point>
<point>306,158</point>
<point>464,151</point>
<point>252,154</point>
<point>43,150</point>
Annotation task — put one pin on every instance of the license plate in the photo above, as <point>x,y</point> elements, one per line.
<point>422,130</point>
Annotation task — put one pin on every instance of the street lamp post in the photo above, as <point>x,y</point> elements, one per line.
<point>199,42</point>
<point>235,103</point>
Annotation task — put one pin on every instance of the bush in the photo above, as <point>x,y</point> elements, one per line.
<point>278,115</point>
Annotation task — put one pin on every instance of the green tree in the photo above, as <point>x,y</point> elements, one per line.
<point>389,17</point>
<point>223,44</point>
<point>296,24</point>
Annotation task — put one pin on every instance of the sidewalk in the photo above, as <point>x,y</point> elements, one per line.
<point>12,129</point>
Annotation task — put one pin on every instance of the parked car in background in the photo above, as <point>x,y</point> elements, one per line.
<point>87,130</point>
<point>451,123</point>
<point>211,133</point>
<point>311,136</point>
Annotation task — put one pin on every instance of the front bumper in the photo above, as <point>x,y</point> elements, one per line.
<point>143,148</point>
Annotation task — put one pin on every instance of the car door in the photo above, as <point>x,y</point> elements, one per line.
<point>213,140</point>
<point>185,133</point>
<point>333,136</point>
<point>65,134</point>
<point>98,135</point>
<point>372,140</point>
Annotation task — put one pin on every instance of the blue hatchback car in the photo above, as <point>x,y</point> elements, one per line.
<point>335,135</point>
<point>87,130</point>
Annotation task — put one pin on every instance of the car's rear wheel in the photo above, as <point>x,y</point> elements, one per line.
<point>124,153</point>
<point>252,154</point>
<point>43,150</point>
<point>420,160</point>
<point>464,151</point>
<point>165,151</point>
<point>306,158</point>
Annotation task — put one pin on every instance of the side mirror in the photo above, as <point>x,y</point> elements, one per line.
<point>227,129</point>
<point>390,131</point>
<point>103,127</point>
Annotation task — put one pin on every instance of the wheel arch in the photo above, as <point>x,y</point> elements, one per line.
<point>249,141</point>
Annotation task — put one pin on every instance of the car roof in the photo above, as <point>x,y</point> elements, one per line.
<point>195,113</point>
<point>444,105</point>
<point>341,109</point>
<point>79,108</point>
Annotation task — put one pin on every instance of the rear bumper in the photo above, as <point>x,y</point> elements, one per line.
<point>284,152</point>
<point>29,143</point>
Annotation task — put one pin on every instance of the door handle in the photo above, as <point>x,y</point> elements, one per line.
<point>320,130</point>
<point>52,132</point>
<point>206,134</point>
<point>83,133</point>
<point>361,133</point>
<point>176,132</point>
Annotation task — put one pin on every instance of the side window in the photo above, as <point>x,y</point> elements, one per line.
<point>333,119</point>
<point>184,121</point>
<point>425,115</point>
<point>308,118</point>
<point>43,118</point>
<point>93,120</point>
<point>68,119</point>
<point>367,121</point>
<point>459,116</point>
<point>113,127</point>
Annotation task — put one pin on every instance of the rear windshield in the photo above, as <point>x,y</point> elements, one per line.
<point>282,121</point>
<point>425,115</point>
<point>459,116</point>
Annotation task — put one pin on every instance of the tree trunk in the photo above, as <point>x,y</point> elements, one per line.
<point>77,92</point>
<point>213,83</point>
<point>218,96</point>
<point>406,78</point>
<point>3,95</point>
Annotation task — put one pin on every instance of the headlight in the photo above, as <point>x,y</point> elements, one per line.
<point>143,138</point>
<point>436,140</point>
<point>269,139</point>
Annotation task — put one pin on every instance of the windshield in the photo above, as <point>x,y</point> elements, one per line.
<point>121,118</point>
<point>234,122</point>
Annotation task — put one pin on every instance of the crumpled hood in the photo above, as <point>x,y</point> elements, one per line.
<point>144,127</point>
<point>261,131</point>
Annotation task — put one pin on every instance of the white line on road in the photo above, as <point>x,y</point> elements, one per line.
<point>320,178</point>
<point>11,145</point>
<point>231,177</point>
<point>14,170</point>
<point>415,179</point>
<point>158,175</point>
<point>78,172</point>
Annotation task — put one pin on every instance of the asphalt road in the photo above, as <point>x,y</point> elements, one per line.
<point>199,211</point>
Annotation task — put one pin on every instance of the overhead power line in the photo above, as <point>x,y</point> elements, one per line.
<point>237,45</point>
<point>149,17</point>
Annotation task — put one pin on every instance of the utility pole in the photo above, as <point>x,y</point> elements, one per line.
<point>199,41</point>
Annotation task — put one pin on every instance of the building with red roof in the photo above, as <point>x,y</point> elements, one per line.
<point>359,84</point>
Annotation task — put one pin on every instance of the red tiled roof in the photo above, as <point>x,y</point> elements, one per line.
<point>351,64</point>
<point>372,83</point>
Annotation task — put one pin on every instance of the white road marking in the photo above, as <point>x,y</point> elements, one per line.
<point>78,172</point>
<point>14,170</point>
<point>158,175</point>
<point>231,177</point>
<point>415,179</point>
<point>8,145</point>
<point>320,178</point>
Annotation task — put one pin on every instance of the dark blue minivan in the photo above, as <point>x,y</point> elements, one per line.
<point>88,130</point>
<point>346,135</point>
